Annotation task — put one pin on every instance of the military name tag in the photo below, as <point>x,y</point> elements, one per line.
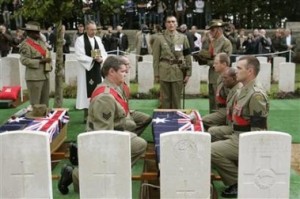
<point>178,47</point>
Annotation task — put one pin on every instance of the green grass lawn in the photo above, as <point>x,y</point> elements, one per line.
<point>284,116</point>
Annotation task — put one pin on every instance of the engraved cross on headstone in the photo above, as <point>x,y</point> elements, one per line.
<point>104,175</point>
<point>23,175</point>
<point>185,192</point>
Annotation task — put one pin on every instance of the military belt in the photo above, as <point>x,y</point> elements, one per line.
<point>37,57</point>
<point>171,61</point>
<point>242,128</point>
<point>221,105</point>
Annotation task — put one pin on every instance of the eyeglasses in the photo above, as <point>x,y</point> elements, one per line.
<point>171,21</point>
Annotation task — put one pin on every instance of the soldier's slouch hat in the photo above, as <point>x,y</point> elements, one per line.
<point>32,26</point>
<point>216,23</point>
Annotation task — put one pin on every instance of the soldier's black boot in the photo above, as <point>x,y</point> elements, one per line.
<point>230,192</point>
<point>65,179</point>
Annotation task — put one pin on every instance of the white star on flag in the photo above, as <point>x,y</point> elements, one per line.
<point>160,120</point>
<point>17,119</point>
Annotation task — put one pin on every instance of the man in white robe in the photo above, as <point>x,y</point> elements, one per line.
<point>88,73</point>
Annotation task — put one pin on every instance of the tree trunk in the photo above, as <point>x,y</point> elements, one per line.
<point>59,67</point>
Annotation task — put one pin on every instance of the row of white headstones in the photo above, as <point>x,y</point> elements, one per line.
<point>105,165</point>
<point>12,73</point>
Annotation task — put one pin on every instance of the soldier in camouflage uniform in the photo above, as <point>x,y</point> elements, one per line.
<point>250,112</point>
<point>35,56</point>
<point>172,64</point>
<point>229,80</point>
<point>218,44</point>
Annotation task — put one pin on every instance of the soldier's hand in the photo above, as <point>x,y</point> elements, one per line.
<point>45,60</point>
<point>98,59</point>
<point>156,79</point>
<point>196,56</point>
<point>186,79</point>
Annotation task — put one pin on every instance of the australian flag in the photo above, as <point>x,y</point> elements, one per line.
<point>174,120</point>
<point>52,123</point>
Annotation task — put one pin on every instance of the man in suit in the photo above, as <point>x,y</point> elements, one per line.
<point>5,41</point>
<point>289,43</point>
<point>66,41</point>
<point>35,56</point>
<point>122,40</point>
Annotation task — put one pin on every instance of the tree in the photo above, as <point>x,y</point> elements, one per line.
<point>256,13</point>
<point>54,11</point>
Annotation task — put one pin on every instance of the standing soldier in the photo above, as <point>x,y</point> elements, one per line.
<point>218,44</point>
<point>36,57</point>
<point>250,112</point>
<point>172,64</point>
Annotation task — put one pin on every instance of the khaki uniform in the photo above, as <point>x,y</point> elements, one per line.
<point>223,132</point>
<point>37,79</point>
<point>142,120</point>
<point>218,117</point>
<point>207,55</point>
<point>171,62</point>
<point>106,113</point>
<point>250,112</point>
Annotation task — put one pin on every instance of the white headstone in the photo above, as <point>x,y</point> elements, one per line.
<point>193,85</point>
<point>72,49</point>
<point>237,58</point>
<point>70,56</point>
<point>25,168</point>
<point>264,165</point>
<point>148,58</point>
<point>204,72</point>
<point>145,77</point>
<point>287,77</point>
<point>262,59</point>
<point>233,64</point>
<point>71,67</point>
<point>105,165</point>
<point>22,70</point>
<point>276,62</point>
<point>127,78</point>
<point>133,65</point>
<point>185,165</point>
<point>264,75</point>
<point>11,73</point>
<point>52,78</point>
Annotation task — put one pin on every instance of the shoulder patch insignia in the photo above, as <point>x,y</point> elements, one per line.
<point>258,97</point>
<point>257,113</point>
<point>106,116</point>
<point>24,51</point>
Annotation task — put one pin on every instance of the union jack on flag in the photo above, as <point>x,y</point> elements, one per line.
<point>51,124</point>
<point>174,120</point>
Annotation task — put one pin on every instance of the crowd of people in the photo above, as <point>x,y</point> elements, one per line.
<point>237,101</point>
